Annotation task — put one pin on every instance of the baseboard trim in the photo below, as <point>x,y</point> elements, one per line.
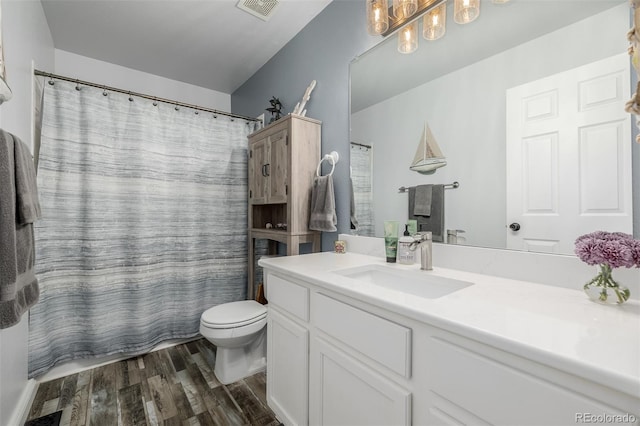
<point>21,411</point>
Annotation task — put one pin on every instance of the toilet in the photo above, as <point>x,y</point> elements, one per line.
<point>237,329</point>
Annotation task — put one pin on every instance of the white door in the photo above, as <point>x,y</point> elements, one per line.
<point>569,157</point>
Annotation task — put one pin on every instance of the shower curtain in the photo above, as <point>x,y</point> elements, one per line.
<point>144,222</point>
<point>361,175</point>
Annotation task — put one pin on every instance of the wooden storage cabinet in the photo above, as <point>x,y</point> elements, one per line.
<point>283,158</point>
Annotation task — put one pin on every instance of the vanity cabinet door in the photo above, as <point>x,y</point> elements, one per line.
<point>287,369</point>
<point>343,391</point>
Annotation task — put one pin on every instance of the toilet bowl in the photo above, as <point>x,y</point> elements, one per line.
<point>237,329</point>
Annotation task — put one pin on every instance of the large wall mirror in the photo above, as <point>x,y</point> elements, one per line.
<point>526,104</point>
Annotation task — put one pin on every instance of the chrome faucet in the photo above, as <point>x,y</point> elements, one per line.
<point>424,241</point>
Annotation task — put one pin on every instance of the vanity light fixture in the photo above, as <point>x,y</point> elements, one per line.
<point>404,8</point>
<point>377,16</point>
<point>465,11</point>
<point>408,38</point>
<point>434,23</point>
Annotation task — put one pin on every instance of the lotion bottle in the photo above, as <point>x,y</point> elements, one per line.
<point>405,255</point>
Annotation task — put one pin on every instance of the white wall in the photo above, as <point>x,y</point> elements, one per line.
<point>26,37</point>
<point>473,141</point>
<point>95,71</point>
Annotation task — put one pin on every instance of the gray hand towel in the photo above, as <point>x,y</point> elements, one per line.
<point>18,284</point>
<point>423,200</point>
<point>323,205</point>
<point>27,204</point>
<point>435,222</point>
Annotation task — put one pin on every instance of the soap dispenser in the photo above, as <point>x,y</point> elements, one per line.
<point>406,256</point>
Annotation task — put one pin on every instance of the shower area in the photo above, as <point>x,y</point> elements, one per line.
<point>361,163</point>
<point>143,217</point>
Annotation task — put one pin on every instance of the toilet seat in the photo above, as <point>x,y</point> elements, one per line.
<point>233,314</point>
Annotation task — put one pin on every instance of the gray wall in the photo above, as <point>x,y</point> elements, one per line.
<point>322,51</point>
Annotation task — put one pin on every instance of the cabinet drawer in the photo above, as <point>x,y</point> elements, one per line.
<point>288,296</point>
<point>381,340</point>
<point>465,382</point>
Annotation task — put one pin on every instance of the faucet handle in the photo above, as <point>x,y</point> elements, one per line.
<point>425,235</point>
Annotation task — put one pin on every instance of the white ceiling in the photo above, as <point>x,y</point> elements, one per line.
<point>208,43</point>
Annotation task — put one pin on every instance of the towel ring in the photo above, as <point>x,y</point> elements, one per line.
<point>333,158</point>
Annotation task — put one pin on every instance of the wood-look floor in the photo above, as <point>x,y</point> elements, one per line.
<point>174,386</point>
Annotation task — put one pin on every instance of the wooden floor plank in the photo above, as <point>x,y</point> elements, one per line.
<point>252,408</point>
<point>133,371</point>
<point>185,411</point>
<point>162,397</point>
<point>223,408</point>
<point>177,360</point>
<point>131,406</point>
<point>80,401</point>
<point>206,370</point>
<point>67,391</point>
<point>191,392</point>
<point>258,385</point>
<point>173,386</point>
<point>103,401</point>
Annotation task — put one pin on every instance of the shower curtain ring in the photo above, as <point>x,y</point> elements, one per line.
<point>130,97</point>
<point>104,91</point>
<point>77,85</point>
<point>51,82</point>
<point>176,108</point>
<point>155,102</point>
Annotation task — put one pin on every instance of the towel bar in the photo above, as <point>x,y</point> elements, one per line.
<point>333,158</point>
<point>453,185</point>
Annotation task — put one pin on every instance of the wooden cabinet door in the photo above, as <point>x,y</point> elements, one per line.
<point>277,167</point>
<point>287,369</point>
<point>345,392</point>
<point>258,179</point>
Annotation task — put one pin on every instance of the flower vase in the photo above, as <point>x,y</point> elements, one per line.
<point>604,289</point>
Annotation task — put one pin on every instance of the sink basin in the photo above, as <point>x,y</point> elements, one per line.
<point>416,282</point>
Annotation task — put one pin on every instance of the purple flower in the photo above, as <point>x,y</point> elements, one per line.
<point>615,249</point>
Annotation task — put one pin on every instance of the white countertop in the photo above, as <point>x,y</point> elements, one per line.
<point>556,326</point>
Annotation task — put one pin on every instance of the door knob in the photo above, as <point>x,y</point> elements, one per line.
<point>514,226</point>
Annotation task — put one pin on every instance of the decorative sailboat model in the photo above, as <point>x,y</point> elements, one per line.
<point>428,156</point>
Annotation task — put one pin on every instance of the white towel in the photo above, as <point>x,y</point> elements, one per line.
<point>323,205</point>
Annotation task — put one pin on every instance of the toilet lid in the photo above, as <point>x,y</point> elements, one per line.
<point>234,313</point>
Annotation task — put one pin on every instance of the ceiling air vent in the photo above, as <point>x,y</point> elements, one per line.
<point>262,9</point>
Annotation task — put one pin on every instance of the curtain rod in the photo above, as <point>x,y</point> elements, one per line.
<point>361,144</point>
<point>141,95</point>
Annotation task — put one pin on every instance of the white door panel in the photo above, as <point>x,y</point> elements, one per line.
<point>569,156</point>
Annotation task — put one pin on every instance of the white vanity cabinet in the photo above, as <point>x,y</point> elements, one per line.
<point>350,348</point>
<point>335,359</point>
<point>287,350</point>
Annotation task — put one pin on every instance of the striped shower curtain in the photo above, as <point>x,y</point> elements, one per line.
<point>144,223</point>
<point>361,162</point>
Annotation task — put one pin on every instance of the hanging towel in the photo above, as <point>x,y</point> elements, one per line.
<point>19,207</point>
<point>435,222</point>
<point>423,200</point>
<point>323,205</point>
<point>354,221</point>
